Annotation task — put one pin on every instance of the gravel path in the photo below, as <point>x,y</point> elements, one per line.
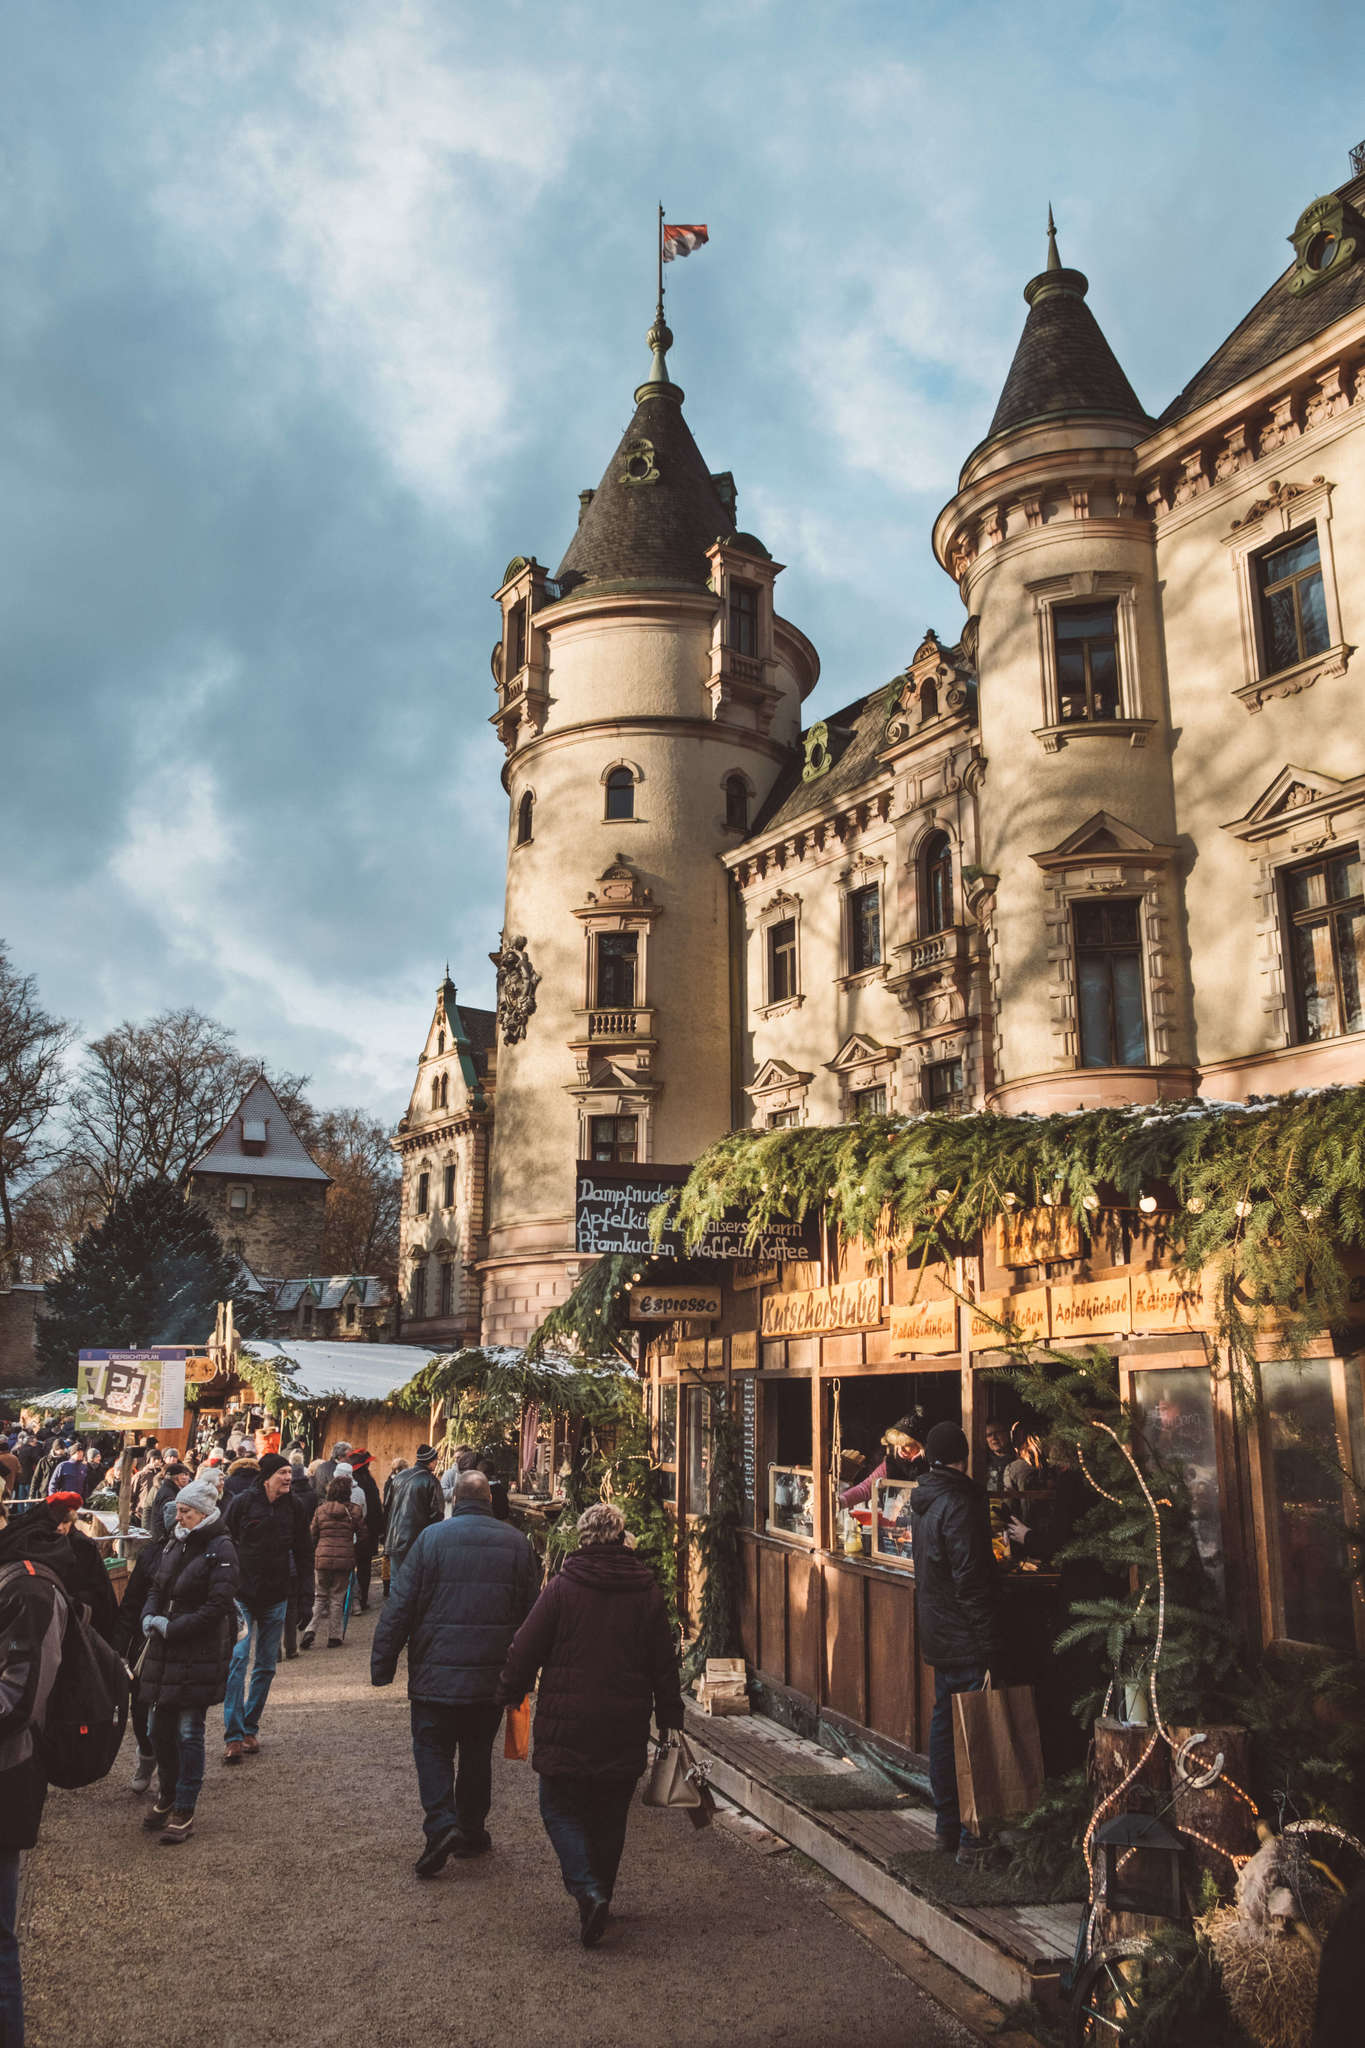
<point>293,1917</point>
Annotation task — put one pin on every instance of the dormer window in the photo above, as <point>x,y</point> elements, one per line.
<point>253,1134</point>
<point>743,636</point>
<point>516,638</point>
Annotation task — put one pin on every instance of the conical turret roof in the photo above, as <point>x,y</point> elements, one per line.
<point>1063,363</point>
<point>657,509</point>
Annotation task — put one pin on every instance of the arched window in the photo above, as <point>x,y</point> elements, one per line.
<point>445,1090</point>
<point>928,703</point>
<point>440,1041</point>
<point>525,817</point>
<point>620,794</point>
<point>936,884</point>
<point>435,1091</point>
<point>736,803</point>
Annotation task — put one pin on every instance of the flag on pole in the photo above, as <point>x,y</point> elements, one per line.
<point>681,241</point>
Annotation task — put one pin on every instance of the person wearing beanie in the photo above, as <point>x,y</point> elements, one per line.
<point>188,1624</point>
<point>601,1638</point>
<point>465,1588</point>
<point>903,1444</point>
<point>269,1529</point>
<point>956,1610</point>
<point>417,1502</point>
<point>372,1533</point>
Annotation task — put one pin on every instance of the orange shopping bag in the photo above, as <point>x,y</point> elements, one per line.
<point>516,1734</point>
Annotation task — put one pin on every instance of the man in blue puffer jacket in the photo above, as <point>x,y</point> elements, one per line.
<point>464,1590</point>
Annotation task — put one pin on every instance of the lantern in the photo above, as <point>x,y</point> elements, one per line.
<point>1141,1865</point>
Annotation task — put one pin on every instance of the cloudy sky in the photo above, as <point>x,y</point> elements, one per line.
<point>312,315</point>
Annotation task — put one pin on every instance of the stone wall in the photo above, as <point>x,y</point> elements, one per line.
<point>19,1309</point>
<point>281,1232</point>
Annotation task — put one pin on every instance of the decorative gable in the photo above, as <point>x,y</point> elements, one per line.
<point>1105,840</point>
<point>775,1074</point>
<point>1294,790</point>
<point>858,1051</point>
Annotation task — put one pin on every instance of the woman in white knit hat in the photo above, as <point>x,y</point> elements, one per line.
<point>189,1620</point>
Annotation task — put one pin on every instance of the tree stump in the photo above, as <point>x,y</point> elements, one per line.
<point>1117,1747</point>
<point>1215,1812</point>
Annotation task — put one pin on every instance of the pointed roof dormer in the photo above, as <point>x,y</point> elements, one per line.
<point>258,1141</point>
<point>1063,366</point>
<point>658,508</point>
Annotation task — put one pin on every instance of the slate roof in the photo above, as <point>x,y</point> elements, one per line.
<point>856,737</point>
<point>1277,323</point>
<point>649,535</point>
<point>330,1292</point>
<point>1063,363</point>
<point>475,1032</point>
<point>285,1156</point>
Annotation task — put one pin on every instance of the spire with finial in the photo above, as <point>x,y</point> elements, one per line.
<point>1054,261</point>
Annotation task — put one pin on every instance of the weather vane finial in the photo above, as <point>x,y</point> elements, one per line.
<point>1054,261</point>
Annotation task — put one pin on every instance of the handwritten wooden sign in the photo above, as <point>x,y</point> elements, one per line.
<point>1083,1307</point>
<point>853,1305</point>
<point>744,1351</point>
<point>1035,1237</point>
<point>924,1326</point>
<point>750,1273</point>
<point>1164,1301</point>
<point>1028,1311</point>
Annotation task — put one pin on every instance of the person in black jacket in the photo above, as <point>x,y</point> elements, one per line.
<point>33,1613</point>
<point>188,1621</point>
<point>465,1588</point>
<point>955,1609</point>
<point>372,1534</point>
<point>274,1555</point>
<point>417,1501</point>
<point>601,1637</point>
<point>127,1639</point>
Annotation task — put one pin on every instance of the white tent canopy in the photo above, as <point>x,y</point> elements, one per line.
<point>344,1372</point>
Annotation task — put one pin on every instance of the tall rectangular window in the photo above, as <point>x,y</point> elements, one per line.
<point>447,1287</point>
<point>868,1102</point>
<point>1327,946</point>
<point>1113,1030</point>
<point>448,1188</point>
<point>744,618</point>
<point>516,639</point>
<point>864,929</point>
<point>419,1291</point>
<point>782,960</point>
<point>1293,609</point>
<point>616,956</point>
<point>423,1193</point>
<point>942,1084</point>
<point>613,1140</point>
<point>1085,640</point>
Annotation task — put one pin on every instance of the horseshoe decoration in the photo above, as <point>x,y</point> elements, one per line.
<point>1196,1780</point>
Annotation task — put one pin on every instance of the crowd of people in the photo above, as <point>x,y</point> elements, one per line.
<point>251,1551</point>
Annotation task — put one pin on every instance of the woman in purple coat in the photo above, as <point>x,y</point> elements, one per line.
<point>601,1637</point>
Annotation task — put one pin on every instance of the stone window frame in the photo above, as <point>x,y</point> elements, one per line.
<point>1287,509</point>
<point>1151,880</point>
<point>751,792</point>
<point>595,924</point>
<point>1303,817</point>
<point>779,907</point>
<point>449,1183</point>
<point>1051,594</point>
<point>776,1086</point>
<point>616,1101</point>
<point>637,776</point>
<point>860,1064</point>
<point>423,1173</point>
<point>867,871</point>
<point>237,1187</point>
<point>521,812</point>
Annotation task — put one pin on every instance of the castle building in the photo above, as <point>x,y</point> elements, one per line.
<point>442,1140</point>
<point>261,1189</point>
<point>1098,843</point>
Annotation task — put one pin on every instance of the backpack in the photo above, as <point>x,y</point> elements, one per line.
<point>81,1730</point>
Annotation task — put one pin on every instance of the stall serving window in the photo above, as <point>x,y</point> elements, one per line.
<point>1174,1413</point>
<point>876,1480</point>
<point>789,1497</point>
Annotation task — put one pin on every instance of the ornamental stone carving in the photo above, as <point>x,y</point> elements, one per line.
<point>517,985</point>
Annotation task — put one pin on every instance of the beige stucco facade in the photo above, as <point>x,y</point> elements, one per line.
<point>913,903</point>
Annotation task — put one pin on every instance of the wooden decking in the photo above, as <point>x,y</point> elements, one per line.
<point>1009,1952</point>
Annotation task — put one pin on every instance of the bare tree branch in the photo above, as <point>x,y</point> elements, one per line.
<point>33,1083</point>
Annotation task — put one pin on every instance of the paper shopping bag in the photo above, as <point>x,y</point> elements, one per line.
<point>516,1732</point>
<point>998,1755</point>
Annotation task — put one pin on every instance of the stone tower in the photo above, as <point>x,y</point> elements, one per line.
<point>647,697</point>
<point>1052,546</point>
<point>261,1188</point>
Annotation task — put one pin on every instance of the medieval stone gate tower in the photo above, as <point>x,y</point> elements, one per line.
<point>647,697</point>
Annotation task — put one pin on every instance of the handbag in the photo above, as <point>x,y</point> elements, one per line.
<point>998,1755</point>
<point>516,1732</point>
<point>677,1779</point>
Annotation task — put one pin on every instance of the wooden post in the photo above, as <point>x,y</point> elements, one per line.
<point>1215,1811</point>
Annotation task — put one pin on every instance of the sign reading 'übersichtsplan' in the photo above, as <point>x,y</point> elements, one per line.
<point>615,1204</point>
